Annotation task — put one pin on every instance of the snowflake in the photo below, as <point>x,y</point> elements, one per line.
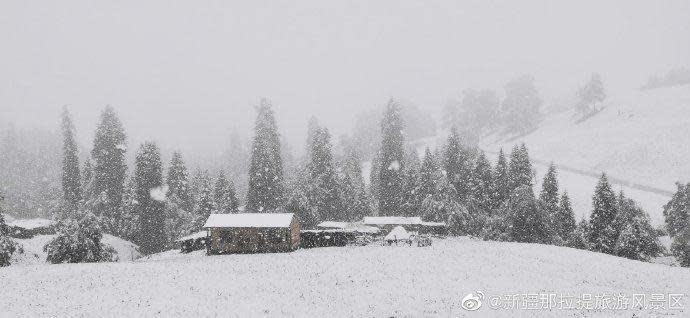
<point>395,165</point>
<point>159,193</point>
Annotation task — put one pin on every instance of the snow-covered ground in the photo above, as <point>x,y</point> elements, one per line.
<point>34,254</point>
<point>370,281</point>
<point>641,137</point>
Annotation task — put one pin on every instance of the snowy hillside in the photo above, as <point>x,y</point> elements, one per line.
<point>372,281</point>
<point>640,140</point>
<point>34,254</point>
<point>642,137</point>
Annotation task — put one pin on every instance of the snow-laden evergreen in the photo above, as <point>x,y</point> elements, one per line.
<point>7,245</point>
<point>677,217</point>
<point>457,162</point>
<point>266,190</point>
<point>109,168</point>
<point>148,178</point>
<point>602,233</point>
<point>224,194</point>
<point>178,183</point>
<point>205,205</point>
<point>391,165</point>
<point>79,242</point>
<point>71,179</point>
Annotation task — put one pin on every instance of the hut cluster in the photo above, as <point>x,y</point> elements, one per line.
<point>280,232</point>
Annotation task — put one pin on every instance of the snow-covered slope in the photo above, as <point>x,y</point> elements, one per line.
<point>643,137</point>
<point>370,281</point>
<point>34,254</point>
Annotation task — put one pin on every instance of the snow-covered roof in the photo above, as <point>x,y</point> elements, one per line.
<point>30,224</point>
<point>433,224</point>
<point>398,233</point>
<point>249,220</point>
<point>348,226</point>
<point>392,220</point>
<point>332,224</point>
<point>192,236</point>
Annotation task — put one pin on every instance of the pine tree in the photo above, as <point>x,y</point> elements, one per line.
<point>412,197</point>
<point>355,203</point>
<point>325,195</point>
<point>602,234</point>
<point>636,238</point>
<point>528,221</point>
<point>266,189</point>
<point>578,237</point>
<point>375,181</point>
<point>681,247</point>
<point>109,166</point>
<point>204,203</point>
<point>7,245</point>
<point>457,162</point>
<point>178,183</point>
<point>225,196</point>
<point>520,169</point>
<point>677,210</point>
<point>390,173</point>
<point>565,217</point>
<point>71,183</point>
<point>481,186</point>
<point>79,242</point>
<point>87,179</point>
<point>501,181</point>
<point>150,206</point>
<point>548,198</point>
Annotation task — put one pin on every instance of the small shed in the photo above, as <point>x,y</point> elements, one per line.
<point>398,234</point>
<point>387,223</point>
<point>193,242</point>
<point>252,233</point>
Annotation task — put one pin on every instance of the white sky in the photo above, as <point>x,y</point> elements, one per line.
<point>184,73</point>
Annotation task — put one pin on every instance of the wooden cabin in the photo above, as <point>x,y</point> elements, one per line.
<point>252,233</point>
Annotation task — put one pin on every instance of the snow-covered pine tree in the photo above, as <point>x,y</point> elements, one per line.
<point>220,196</point>
<point>128,228</point>
<point>412,200</point>
<point>391,169</point>
<point>204,203</point>
<point>602,233</point>
<point>481,186</point>
<point>299,200</point>
<point>501,181</point>
<point>178,183</point>
<point>636,238</point>
<point>428,176</point>
<point>458,165</point>
<point>109,169</point>
<point>565,217</point>
<point>225,195</point>
<point>71,179</point>
<point>578,237</point>
<point>374,181</point>
<point>87,179</point>
<point>681,247</point>
<point>442,205</point>
<point>150,197</point>
<point>79,242</point>
<point>677,210</point>
<point>326,191</point>
<point>548,198</point>
<point>520,168</point>
<point>266,190</point>
<point>528,222</point>
<point>355,203</point>
<point>7,245</point>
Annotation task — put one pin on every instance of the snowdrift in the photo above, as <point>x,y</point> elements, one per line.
<point>371,281</point>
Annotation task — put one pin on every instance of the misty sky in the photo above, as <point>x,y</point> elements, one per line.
<point>185,73</point>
